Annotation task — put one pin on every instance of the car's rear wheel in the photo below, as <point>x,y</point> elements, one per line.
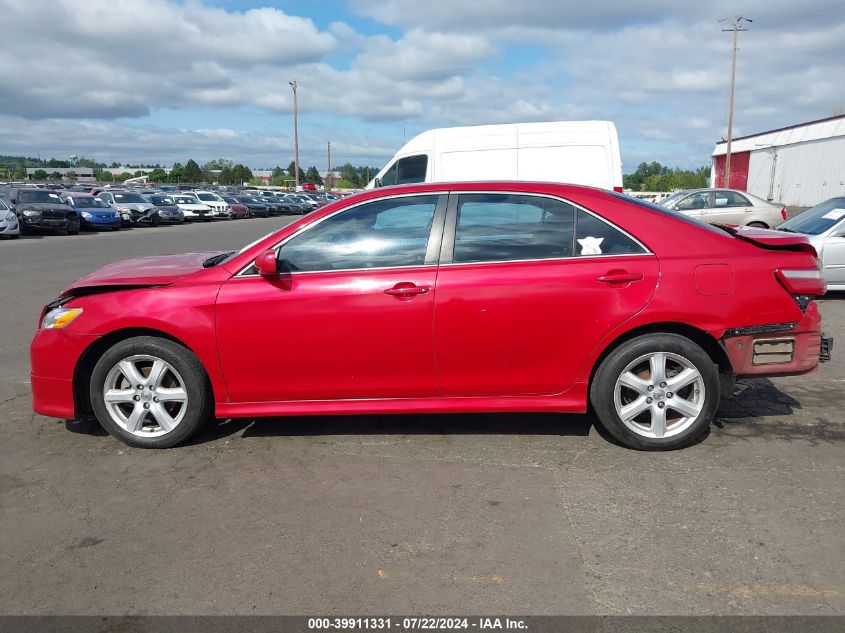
<point>150,392</point>
<point>656,392</point>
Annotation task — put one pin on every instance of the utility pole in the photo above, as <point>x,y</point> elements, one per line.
<point>295,136</point>
<point>329,170</point>
<point>736,27</point>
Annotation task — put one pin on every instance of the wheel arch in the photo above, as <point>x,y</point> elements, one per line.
<point>88,359</point>
<point>705,341</point>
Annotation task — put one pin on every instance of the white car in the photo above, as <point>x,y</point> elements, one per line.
<point>824,225</point>
<point>220,208</point>
<point>9,226</point>
<point>726,206</point>
<point>192,208</point>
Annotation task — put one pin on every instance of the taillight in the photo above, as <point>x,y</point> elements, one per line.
<point>783,213</point>
<point>619,190</point>
<point>802,281</point>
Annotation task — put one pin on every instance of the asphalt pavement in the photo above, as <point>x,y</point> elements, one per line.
<point>427,514</point>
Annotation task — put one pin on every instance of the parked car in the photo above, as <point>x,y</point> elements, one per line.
<point>41,210</point>
<point>193,209</point>
<point>219,208</point>
<point>93,212</point>
<point>726,206</point>
<point>257,208</point>
<point>530,296</point>
<point>9,225</point>
<point>824,225</point>
<point>237,209</point>
<point>307,202</point>
<point>295,204</point>
<point>168,210</point>
<point>134,209</point>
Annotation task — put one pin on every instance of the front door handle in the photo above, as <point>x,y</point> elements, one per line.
<point>406,290</point>
<point>620,277</point>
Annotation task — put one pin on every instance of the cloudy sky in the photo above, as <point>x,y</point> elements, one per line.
<point>164,80</point>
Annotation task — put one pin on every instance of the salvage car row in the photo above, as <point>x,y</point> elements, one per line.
<point>29,209</point>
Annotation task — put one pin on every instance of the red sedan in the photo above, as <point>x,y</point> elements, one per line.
<point>440,297</point>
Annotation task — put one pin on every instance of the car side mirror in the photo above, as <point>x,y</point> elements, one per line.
<point>376,183</point>
<point>267,263</point>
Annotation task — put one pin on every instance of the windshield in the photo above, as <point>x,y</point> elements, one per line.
<point>161,201</point>
<point>130,198</point>
<point>88,203</point>
<point>185,200</point>
<point>230,200</point>
<point>38,196</point>
<point>249,200</point>
<point>673,198</point>
<point>818,219</point>
<point>208,197</point>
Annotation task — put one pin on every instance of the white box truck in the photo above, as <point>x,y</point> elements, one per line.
<point>576,152</point>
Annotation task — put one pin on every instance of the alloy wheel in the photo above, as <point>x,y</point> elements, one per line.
<point>659,395</point>
<point>145,396</point>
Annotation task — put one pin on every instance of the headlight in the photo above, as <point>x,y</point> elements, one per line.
<point>124,209</point>
<point>10,217</point>
<point>86,215</point>
<point>31,213</point>
<point>59,318</point>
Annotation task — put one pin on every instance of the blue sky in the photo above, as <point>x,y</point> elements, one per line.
<point>165,80</point>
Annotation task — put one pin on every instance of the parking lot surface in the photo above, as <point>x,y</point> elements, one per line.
<point>434,514</point>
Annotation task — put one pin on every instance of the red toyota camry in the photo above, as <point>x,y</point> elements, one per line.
<point>447,297</point>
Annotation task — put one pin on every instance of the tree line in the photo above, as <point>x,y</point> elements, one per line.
<point>656,177</point>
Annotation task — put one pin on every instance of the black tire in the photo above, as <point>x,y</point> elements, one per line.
<point>758,225</point>
<point>73,225</point>
<point>602,391</point>
<point>199,406</point>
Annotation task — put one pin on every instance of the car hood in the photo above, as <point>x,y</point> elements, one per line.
<point>158,270</point>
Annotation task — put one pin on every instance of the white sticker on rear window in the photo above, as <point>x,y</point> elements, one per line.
<point>591,245</point>
<point>54,195</point>
<point>834,215</point>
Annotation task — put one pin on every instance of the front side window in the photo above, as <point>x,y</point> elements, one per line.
<point>406,171</point>
<point>380,234</point>
<point>699,200</point>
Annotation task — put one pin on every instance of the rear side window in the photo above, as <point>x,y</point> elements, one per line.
<point>730,199</point>
<point>594,236</point>
<point>506,227</point>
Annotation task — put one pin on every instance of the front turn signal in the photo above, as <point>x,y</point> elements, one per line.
<point>59,318</point>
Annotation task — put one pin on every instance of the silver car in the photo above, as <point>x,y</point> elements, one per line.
<point>726,206</point>
<point>9,226</point>
<point>824,224</point>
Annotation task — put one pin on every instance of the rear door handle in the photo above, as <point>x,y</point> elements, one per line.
<point>619,277</point>
<point>406,289</point>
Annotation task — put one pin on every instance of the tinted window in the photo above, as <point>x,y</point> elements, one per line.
<point>406,171</point>
<point>380,234</point>
<point>161,201</point>
<point>729,199</point>
<point>208,197</point>
<point>505,227</point>
<point>594,236</point>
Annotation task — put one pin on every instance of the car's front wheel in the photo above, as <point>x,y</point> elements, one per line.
<point>656,392</point>
<point>150,392</point>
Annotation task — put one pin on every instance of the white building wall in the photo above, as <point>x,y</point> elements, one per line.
<point>801,174</point>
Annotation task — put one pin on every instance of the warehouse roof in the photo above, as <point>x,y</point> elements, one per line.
<point>809,131</point>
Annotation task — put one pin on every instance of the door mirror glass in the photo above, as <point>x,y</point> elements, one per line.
<point>266,263</point>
